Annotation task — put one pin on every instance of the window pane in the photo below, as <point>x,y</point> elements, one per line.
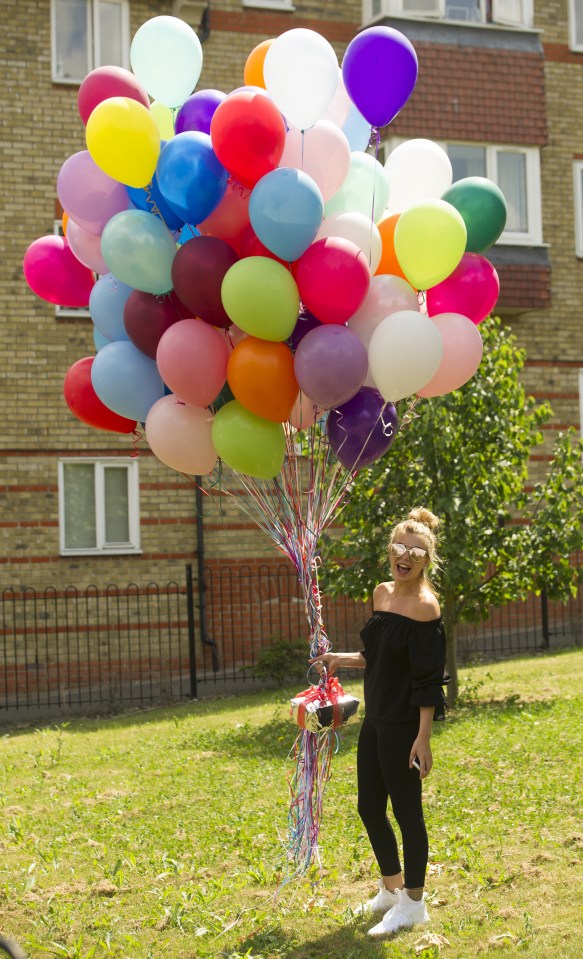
<point>466,161</point>
<point>421,6</point>
<point>508,11</point>
<point>115,489</point>
<point>375,8</point>
<point>110,35</point>
<point>79,482</point>
<point>512,182</point>
<point>71,31</point>
<point>464,10</point>
<point>578,22</point>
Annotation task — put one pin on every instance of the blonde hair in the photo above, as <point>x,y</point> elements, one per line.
<point>423,523</point>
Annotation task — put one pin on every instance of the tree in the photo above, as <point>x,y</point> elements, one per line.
<point>465,456</point>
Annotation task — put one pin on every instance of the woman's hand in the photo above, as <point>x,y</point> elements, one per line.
<point>328,661</point>
<point>422,750</point>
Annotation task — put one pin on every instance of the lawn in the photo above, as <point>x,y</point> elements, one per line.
<point>157,833</point>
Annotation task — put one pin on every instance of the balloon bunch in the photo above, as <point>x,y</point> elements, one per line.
<point>266,290</point>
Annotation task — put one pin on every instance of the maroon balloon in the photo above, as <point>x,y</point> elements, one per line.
<point>198,270</point>
<point>362,430</point>
<point>146,318</point>
<point>84,403</point>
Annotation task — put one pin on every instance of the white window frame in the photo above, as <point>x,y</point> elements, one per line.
<point>573,45</point>
<point>101,547</point>
<point>93,40</point>
<point>62,311</point>
<point>578,201</point>
<point>284,5</point>
<point>437,11</point>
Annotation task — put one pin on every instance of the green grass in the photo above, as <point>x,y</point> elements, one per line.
<point>156,833</point>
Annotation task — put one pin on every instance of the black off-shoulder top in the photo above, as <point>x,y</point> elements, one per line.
<point>405,667</point>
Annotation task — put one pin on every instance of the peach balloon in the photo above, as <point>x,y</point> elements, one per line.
<point>304,413</point>
<point>462,354</point>
<point>180,436</point>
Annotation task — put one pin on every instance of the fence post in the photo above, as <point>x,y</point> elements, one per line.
<point>191,635</point>
<point>545,618</point>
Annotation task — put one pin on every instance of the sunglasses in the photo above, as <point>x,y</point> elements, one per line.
<point>416,553</point>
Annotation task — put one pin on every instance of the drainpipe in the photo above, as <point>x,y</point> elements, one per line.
<point>206,639</point>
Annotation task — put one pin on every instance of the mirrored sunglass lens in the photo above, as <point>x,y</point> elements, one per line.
<point>398,549</point>
<point>416,554</point>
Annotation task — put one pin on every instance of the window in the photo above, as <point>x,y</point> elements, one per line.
<point>578,196</point>
<point>516,13</point>
<point>270,4</point>
<point>576,24</point>
<point>99,506</point>
<point>88,34</point>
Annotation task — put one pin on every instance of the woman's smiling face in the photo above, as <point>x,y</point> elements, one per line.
<point>408,557</point>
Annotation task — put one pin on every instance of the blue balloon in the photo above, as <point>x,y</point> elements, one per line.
<point>356,129</point>
<point>151,200</point>
<point>286,209</point>
<point>126,380</point>
<point>190,177</point>
<point>106,303</point>
<point>99,339</point>
<point>187,232</point>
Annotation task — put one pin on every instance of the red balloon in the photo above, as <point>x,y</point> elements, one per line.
<point>198,270</point>
<point>230,218</point>
<point>55,274</point>
<point>84,403</point>
<point>146,318</point>
<point>248,135</point>
<point>333,279</point>
<point>251,245</point>
<point>105,82</point>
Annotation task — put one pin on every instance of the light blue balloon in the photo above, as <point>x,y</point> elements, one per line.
<point>99,339</point>
<point>139,250</point>
<point>187,232</point>
<point>365,189</point>
<point>126,380</point>
<point>356,129</point>
<point>190,177</point>
<point>106,304</point>
<point>166,57</point>
<point>286,209</point>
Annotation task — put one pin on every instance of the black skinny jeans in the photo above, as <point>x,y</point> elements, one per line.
<point>383,773</point>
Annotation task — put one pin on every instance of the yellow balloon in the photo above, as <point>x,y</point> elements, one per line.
<point>164,119</point>
<point>429,241</point>
<point>124,140</point>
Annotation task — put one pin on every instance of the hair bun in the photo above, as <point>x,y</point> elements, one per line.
<point>424,516</point>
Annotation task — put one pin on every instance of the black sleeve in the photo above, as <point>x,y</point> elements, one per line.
<point>427,661</point>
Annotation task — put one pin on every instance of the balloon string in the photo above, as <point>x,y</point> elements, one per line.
<point>375,139</point>
<point>136,437</point>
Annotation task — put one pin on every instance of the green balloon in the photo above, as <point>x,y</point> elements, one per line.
<point>248,443</point>
<point>261,297</point>
<point>366,182</point>
<point>483,208</point>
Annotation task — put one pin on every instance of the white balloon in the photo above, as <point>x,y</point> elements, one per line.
<point>301,76</point>
<point>339,109</point>
<point>417,170</point>
<point>323,152</point>
<point>404,353</point>
<point>359,229</point>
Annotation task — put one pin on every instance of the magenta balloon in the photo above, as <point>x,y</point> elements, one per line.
<point>330,365</point>
<point>88,195</point>
<point>472,290</point>
<point>198,270</point>
<point>461,357</point>
<point>105,82</point>
<point>192,359</point>
<point>333,279</point>
<point>86,247</point>
<point>55,274</point>
<point>146,318</point>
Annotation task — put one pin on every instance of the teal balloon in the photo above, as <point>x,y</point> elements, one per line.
<point>248,443</point>
<point>483,208</point>
<point>166,57</point>
<point>139,250</point>
<point>366,183</point>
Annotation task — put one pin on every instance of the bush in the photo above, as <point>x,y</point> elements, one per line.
<point>281,661</point>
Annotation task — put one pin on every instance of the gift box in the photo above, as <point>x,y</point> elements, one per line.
<point>325,706</point>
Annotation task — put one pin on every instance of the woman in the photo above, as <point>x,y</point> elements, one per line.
<point>404,660</point>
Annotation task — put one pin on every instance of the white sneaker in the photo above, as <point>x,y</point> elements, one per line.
<point>407,912</point>
<point>382,902</point>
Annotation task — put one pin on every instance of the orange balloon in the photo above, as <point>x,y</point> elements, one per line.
<point>389,262</point>
<point>253,72</point>
<point>64,221</point>
<point>261,376</point>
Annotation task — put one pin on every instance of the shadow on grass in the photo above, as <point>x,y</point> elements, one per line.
<point>346,942</point>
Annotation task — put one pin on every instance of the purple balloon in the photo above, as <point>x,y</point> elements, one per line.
<point>361,430</point>
<point>330,365</point>
<point>306,322</point>
<point>197,111</point>
<point>379,70</point>
<point>88,195</point>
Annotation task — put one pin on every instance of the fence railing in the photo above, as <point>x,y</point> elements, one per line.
<point>90,650</point>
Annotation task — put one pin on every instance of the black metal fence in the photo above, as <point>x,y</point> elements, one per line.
<point>65,651</point>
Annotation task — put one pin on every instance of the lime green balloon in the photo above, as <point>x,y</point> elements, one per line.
<point>365,183</point>
<point>483,207</point>
<point>261,297</point>
<point>248,443</point>
<point>430,240</point>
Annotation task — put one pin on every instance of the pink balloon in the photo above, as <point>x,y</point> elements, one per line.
<point>230,218</point>
<point>89,195</point>
<point>55,274</point>
<point>86,247</point>
<point>180,436</point>
<point>462,354</point>
<point>105,82</point>
<point>472,290</point>
<point>192,359</point>
<point>322,151</point>
<point>387,294</point>
<point>333,279</point>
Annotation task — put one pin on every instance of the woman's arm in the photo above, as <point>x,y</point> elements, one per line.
<point>334,661</point>
<point>422,747</point>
